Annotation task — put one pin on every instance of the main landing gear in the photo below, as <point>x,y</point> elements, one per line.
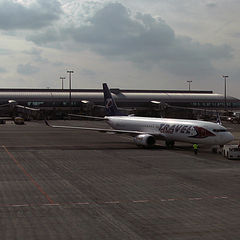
<point>170,144</point>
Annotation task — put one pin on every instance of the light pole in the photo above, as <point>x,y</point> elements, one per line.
<point>189,85</point>
<point>62,78</point>
<point>70,86</point>
<point>225,91</point>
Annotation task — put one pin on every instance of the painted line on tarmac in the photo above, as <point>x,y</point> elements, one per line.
<point>51,204</point>
<point>19,205</point>
<point>112,202</point>
<point>28,175</point>
<point>171,199</point>
<point>194,199</point>
<point>81,203</point>
<point>140,201</point>
<point>143,201</point>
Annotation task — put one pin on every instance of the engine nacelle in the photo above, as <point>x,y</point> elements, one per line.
<point>145,140</point>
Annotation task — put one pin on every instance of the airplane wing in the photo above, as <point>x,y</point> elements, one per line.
<point>106,130</point>
<point>86,116</point>
<point>27,108</point>
<point>92,117</point>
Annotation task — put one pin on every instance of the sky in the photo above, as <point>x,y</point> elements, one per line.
<point>142,44</point>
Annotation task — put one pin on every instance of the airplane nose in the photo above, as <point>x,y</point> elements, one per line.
<point>230,137</point>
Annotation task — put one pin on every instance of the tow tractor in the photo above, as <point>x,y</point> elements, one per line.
<point>231,151</point>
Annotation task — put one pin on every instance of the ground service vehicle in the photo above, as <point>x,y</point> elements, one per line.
<point>19,120</point>
<point>231,151</point>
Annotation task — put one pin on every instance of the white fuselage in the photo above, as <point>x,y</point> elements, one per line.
<point>191,131</point>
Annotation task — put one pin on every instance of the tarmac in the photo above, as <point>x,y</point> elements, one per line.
<point>74,184</point>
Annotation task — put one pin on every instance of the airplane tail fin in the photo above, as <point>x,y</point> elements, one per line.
<point>110,105</point>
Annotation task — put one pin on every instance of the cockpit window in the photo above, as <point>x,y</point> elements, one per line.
<point>219,130</point>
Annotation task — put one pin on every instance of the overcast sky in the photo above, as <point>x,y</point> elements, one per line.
<point>142,44</point>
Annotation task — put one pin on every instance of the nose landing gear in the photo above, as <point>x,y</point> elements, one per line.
<point>217,149</point>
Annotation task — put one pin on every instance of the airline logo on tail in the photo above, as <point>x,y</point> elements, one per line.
<point>109,103</point>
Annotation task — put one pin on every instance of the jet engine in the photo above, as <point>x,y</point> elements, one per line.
<point>145,140</point>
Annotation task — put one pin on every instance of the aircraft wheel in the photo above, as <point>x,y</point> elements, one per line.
<point>214,150</point>
<point>169,144</point>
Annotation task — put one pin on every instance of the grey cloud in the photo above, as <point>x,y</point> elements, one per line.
<point>2,70</point>
<point>58,64</point>
<point>51,38</point>
<point>4,51</point>
<point>88,72</point>
<point>190,58</point>
<point>27,69</point>
<point>33,51</point>
<point>114,32</point>
<point>36,55</point>
<point>14,16</point>
<point>211,5</point>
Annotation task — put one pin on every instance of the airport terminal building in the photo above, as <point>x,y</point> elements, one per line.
<point>58,102</point>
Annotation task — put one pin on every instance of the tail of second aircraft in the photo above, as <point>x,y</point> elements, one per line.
<point>110,105</point>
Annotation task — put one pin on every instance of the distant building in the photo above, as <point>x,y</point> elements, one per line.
<point>57,102</point>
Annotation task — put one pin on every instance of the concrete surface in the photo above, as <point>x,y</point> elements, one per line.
<point>68,184</point>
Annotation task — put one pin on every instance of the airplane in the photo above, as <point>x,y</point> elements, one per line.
<point>146,130</point>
